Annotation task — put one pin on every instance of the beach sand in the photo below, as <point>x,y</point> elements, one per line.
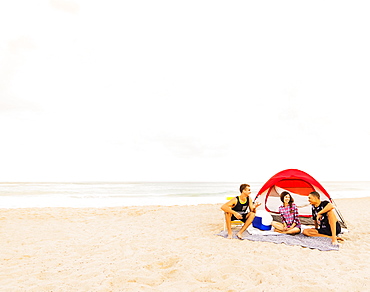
<point>159,248</point>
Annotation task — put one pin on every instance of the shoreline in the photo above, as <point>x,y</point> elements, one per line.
<point>166,248</point>
<point>91,195</point>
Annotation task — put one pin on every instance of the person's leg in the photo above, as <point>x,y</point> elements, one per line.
<point>250,216</point>
<point>279,227</point>
<point>315,232</point>
<point>228,225</point>
<point>292,231</point>
<point>333,227</point>
<point>311,232</point>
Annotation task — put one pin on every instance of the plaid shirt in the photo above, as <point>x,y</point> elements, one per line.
<point>290,217</point>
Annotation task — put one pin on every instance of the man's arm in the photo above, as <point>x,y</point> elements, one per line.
<point>227,208</point>
<point>326,209</point>
<point>253,207</point>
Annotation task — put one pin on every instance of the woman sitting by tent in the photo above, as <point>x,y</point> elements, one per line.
<point>289,216</point>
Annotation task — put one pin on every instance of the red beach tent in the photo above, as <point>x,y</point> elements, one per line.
<point>299,184</point>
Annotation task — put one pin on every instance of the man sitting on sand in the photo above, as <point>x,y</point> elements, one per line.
<point>323,213</point>
<point>236,209</point>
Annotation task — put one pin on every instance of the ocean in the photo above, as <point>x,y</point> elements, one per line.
<point>115,194</point>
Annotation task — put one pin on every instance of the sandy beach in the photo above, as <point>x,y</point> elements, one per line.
<point>174,248</point>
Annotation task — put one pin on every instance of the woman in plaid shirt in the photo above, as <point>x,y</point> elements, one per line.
<point>289,216</point>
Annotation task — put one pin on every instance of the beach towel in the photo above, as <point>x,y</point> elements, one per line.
<point>320,243</point>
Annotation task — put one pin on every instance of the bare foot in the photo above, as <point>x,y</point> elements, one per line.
<point>335,242</point>
<point>230,236</point>
<point>239,236</point>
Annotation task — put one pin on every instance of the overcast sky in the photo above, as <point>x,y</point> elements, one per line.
<point>183,90</point>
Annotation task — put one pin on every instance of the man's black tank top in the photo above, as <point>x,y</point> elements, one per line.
<point>239,207</point>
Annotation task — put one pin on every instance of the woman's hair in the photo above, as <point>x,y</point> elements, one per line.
<point>291,201</point>
<point>243,186</point>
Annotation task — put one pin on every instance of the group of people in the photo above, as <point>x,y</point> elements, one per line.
<point>325,220</point>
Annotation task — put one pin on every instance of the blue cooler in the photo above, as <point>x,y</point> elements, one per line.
<point>262,220</point>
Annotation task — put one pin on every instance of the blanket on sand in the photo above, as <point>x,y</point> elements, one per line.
<point>320,243</point>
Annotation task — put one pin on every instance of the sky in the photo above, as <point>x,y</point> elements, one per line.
<point>183,90</point>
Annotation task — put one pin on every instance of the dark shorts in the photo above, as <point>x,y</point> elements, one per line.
<point>327,230</point>
<point>233,218</point>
